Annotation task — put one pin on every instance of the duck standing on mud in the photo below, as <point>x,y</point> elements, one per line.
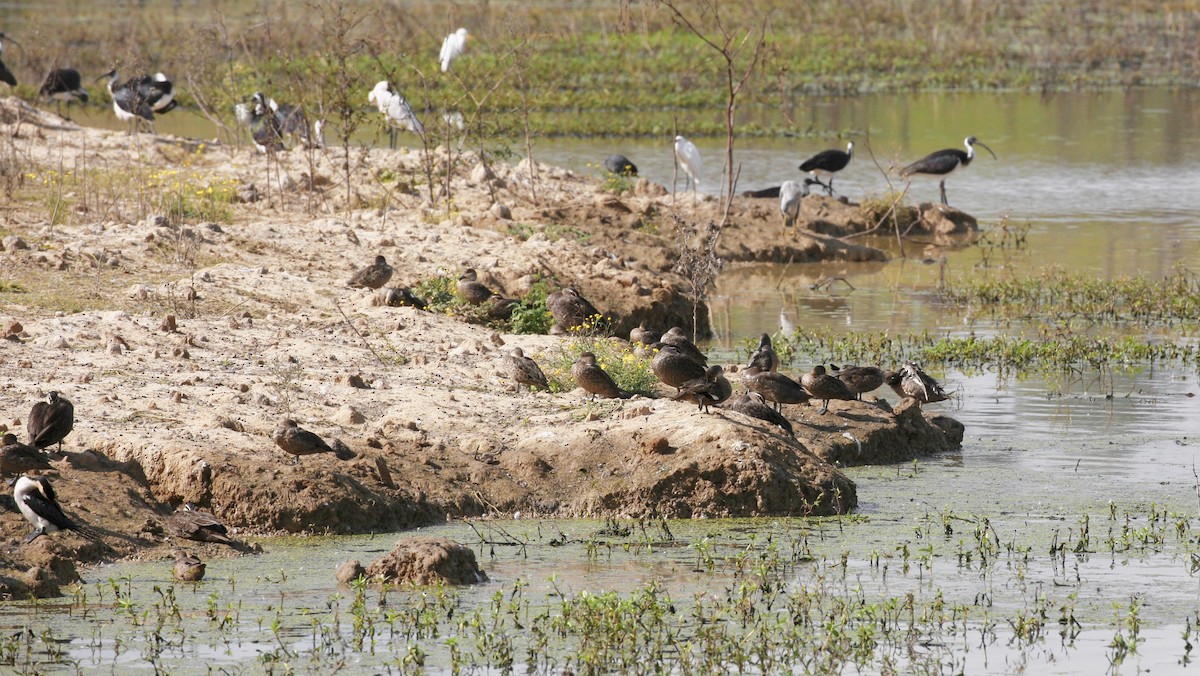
<point>825,387</point>
<point>675,368</point>
<point>711,390</point>
<point>679,340</point>
<point>298,441</point>
<point>764,357</point>
<point>373,276</point>
<point>913,383</point>
<point>774,387</point>
<point>860,379</point>
<point>524,371</point>
<point>595,380</point>
<point>51,421</point>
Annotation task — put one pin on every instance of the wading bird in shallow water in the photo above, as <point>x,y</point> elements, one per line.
<point>827,162</point>
<point>188,567</point>
<point>945,162</point>
<point>37,502</point>
<point>452,48</point>
<point>688,157</point>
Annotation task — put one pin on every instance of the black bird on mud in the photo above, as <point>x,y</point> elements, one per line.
<point>571,311</point>
<point>827,162</point>
<point>524,370</point>
<point>595,380</point>
<point>196,524</point>
<point>63,84</point>
<point>37,502</point>
<point>372,276</point>
<point>764,357</point>
<point>774,387</point>
<point>298,441</point>
<point>753,405</point>
<point>860,379</point>
<point>51,421</point>
<point>912,382</point>
<point>711,390</point>
<point>945,162</point>
<point>825,387</point>
<point>620,165</point>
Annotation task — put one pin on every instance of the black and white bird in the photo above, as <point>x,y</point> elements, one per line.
<point>827,162</point>
<point>620,165</point>
<point>36,500</point>
<point>50,421</point>
<point>6,75</point>
<point>63,84</point>
<point>396,109</point>
<point>265,128</point>
<point>139,98</point>
<point>270,122</point>
<point>452,48</point>
<point>945,162</point>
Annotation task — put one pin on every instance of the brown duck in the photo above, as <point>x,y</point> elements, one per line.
<point>753,405</point>
<point>190,523</point>
<point>19,458</point>
<point>400,297</point>
<point>774,387</point>
<point>712,389</point>
<point>188,568</point>
<point>764,357</point>
<point>860,379</point>
<point>524,370</point>
<point>595,380</point>
<point>373,276</point>
<point>912,382</point>
<point>645,336</point>
<point>471,289</point>
<point>675,368</point>
<point>51,421</point>
<point>571,311</point>
<point>298,441</point>
<point>825,387</point>
<point>676,337</point>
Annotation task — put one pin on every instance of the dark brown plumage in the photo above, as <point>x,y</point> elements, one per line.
<point>524,370</point>
<point>675,368</point>
<point>51,421</point>
<point>571,311</point>
<point>764,358</point>
<point>912,382</point>
<point>825,387</point>
<point>595,380</point>
<point>753,405</point>
<point>190,523</point>
<point>19,458</point>
<point>471,290</point>
<point>774,387</point>
<point>298,441</point>
<point>373,276</point>
<point>710,390</point>
<point>400,297</point>
<point>860,379</point>
<point>188,568</point>
<point>501,308</point>
<point>643,335</point>
<point>676,337</point>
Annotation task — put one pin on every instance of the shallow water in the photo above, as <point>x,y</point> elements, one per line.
<point>1106,182</point>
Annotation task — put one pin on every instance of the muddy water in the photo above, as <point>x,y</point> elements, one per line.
<point>1107,183</point>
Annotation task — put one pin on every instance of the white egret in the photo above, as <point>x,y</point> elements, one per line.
<point>790,195</point>
<point>395,107</point>
<point>689,158</point>
<point>452,48</point>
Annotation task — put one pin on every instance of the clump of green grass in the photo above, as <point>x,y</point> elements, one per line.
<point>531,315</point>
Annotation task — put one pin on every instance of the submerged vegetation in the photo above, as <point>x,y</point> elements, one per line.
<point>797,595</point>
